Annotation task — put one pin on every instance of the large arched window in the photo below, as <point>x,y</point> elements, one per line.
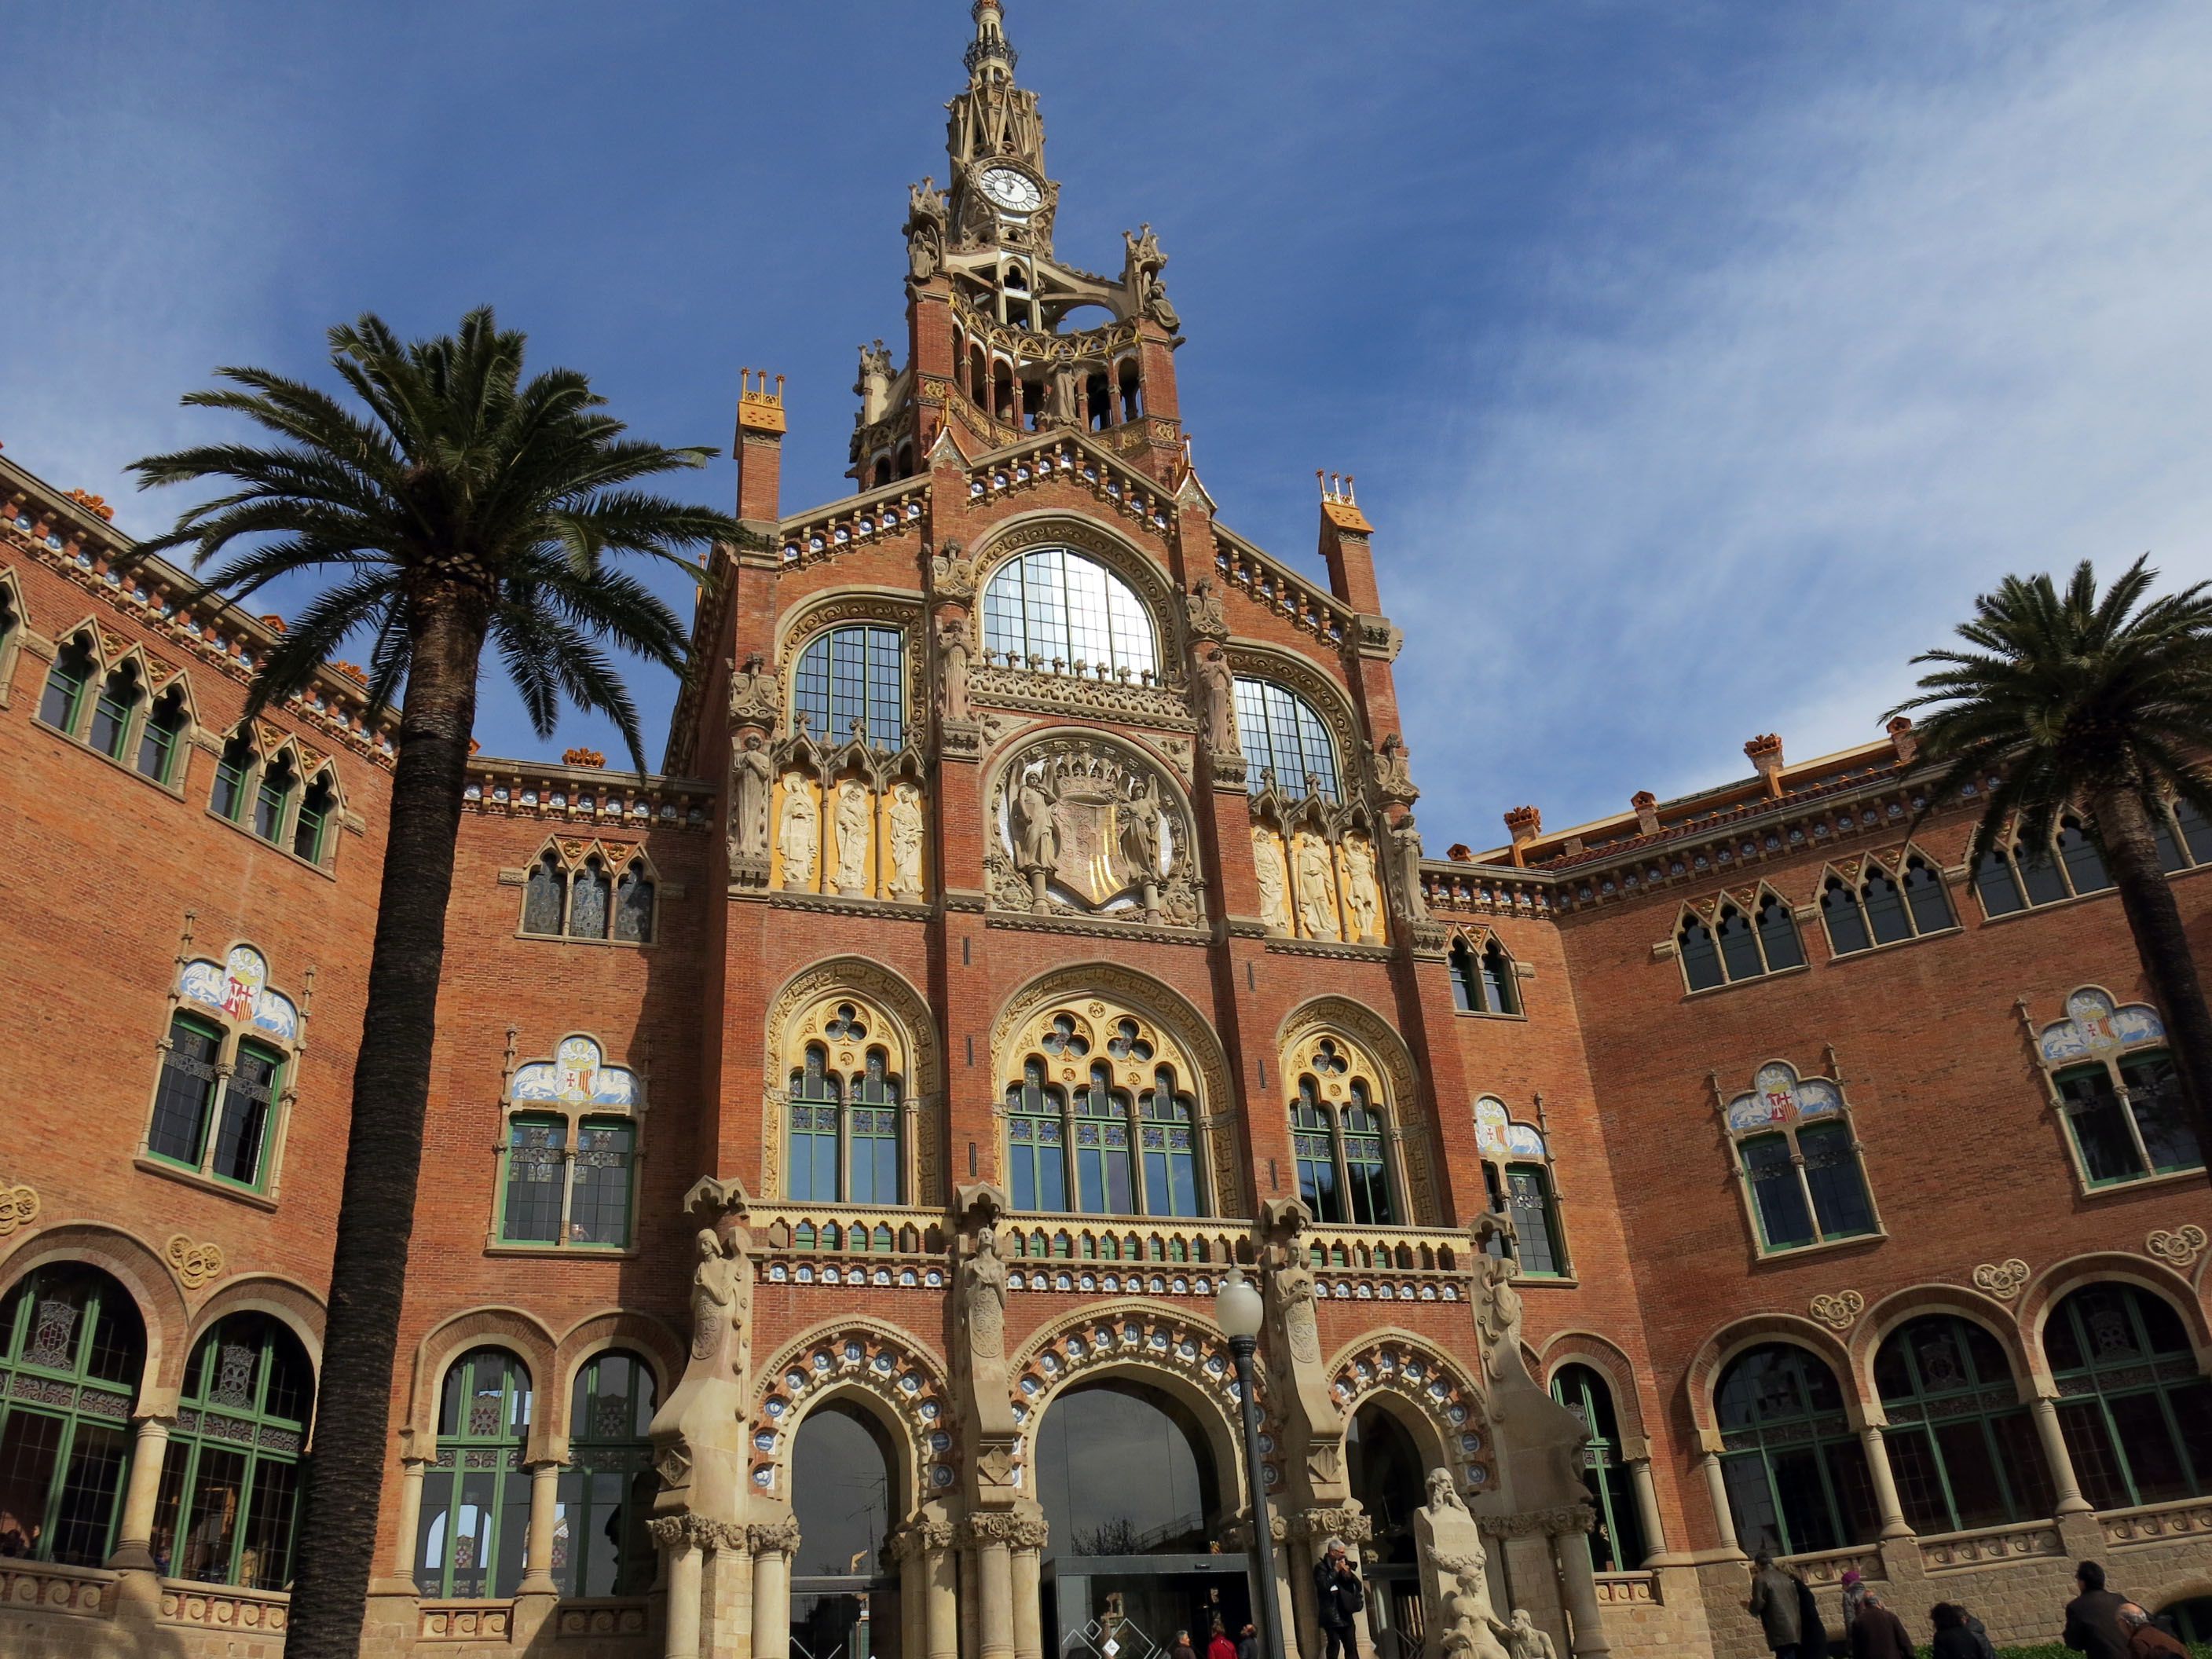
<point>1103,1114</point>
<point>575,892</point>
<point>2016,876</point>
<point>1282,734</point>
<point>2137,1412</point>
<point>604,1494</point>
<point>844,1495</point>
<point>1961,1445</point>
<point>1797,1475</point>
<point>159,738</point>
<point>1798,1160</point>
<point>1617,1543</point>
<point>853,673</point>
<point>62,703</point>
<point>224,1071</point>
<point>120,693</point>
<point>848,1091</point>
<point>1337,1134</point>
<point>2184,835</point>
<point>230,1477</point>
<point>1884,906</point>
<point>72,1350</point>
<point>476,1497</point>
<point>1053,608</point>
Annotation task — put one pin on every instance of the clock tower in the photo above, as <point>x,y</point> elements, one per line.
<point>1003,339</point>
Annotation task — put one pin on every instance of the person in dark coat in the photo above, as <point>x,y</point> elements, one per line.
<point>1812,1633</point>
<point>1248,1643</point>
<point>2145,1639</point>
<point>1338,1591</point>
<point>2093,1617</point>
<point>1182,1648</point>
<point>1953,1639</point>
<point>1773,1602</point>
<point>1878,1633</point>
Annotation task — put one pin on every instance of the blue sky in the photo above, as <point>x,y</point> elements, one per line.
<point>1698,362</point>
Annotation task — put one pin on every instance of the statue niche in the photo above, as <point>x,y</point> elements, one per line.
<point>1086,828</point>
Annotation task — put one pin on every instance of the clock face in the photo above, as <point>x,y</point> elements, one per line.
<point>1011,189</point>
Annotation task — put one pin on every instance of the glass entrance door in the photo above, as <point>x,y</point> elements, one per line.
<point>1131,1607</point>
<point>831,1617</point>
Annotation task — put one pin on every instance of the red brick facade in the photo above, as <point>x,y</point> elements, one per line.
<point>1615,1070</point>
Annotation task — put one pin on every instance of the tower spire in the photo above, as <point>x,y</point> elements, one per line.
<point>990,57</point>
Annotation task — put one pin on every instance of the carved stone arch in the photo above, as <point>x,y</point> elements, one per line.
<point>285,1300</point>
<point>649,1339</point>
<point>890,1371</point>
<point>521,1334</point>
<point>2060,1280</point>
<point>1126,558</point>
<point>1177,1351</point>
<point>106,644</point>
<point>1220,1101</point>
<point>885,607</point>
<point>1732,1339</point>
<point>892,996</point>
<point>1900,1308</point>
<point>1428,1392</point>
<point>1408,1110</point>
<point>138,1266</point>
<point>1249,659</point>
<point>1609,1361</point>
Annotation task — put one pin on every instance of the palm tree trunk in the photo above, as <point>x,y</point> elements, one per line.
<point>2124,825</point>
<point>384,1140</point>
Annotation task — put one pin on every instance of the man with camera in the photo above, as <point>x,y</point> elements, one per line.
<point>1341,1594</point>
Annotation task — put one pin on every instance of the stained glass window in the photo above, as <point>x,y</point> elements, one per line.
<point>2134,1409</point>
<point>1170,1149</point>
<point>545,898</point>
<point>588,900</point>
<point>230,1476</point>
<point>1617,1543</point>
<point>634,905</point>
<point>1796,1475</point>
<point>186,1093</point>
<point>873,1121</point>
<point>1365,1177</point>
<point>1035,1144</point>
<point>1963,1449</point>
<point>815,1096</point>
<point>475,1520</point>
<point>1280,732</point>
<point>63,697</point>
<point>1535,1221</point>
<point>1058,606</point>
<point>1102,1147</point>
<point>605,1491</point>
<point>854,673</point>
<point>72,1355</point>
<point>599,1208</point>
<point>536,1167</point>
<point>1312,1140</point>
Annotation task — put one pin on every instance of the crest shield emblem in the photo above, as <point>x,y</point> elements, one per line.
<point>1086,816</point>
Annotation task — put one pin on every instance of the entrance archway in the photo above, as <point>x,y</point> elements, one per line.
<point>1386,1475</point>
<point>844,1491</point>
<point>1134,1507</point>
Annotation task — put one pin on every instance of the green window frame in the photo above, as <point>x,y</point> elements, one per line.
<point>157,737</point>
<point>113,708</point>
<point>1312,1139</point>
<point>1542,1248</point>
<point>227,1511</point>
<point>272,800</point>
<point>1617,1543</point>
<point>1962,1447</point>
<point>817,1099</point>
<point>2136,1411</point>
<point>1795,1472</point>
<point>1168,1141</point>
<point>1104,1175</point>
<point>604,1496</point>
<point>233,772</point>
<point>311,825</point>
<point>871,1132</point>
<point>533,1181</point>
<point>2131,1133</point>
<point>475,1519</point>
<point>1806,1185</point>
<point>1036,1144</point>
<point>62,701</point>
<point>186,1093</point>
<point>216,1120</point>
<point>72,1356</point>
<point>600,1198</point>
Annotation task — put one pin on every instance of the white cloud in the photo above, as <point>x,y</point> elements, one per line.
<point>1935,330</point>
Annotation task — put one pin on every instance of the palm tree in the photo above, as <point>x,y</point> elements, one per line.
<point>2071,701</point>
<point>464,506</point>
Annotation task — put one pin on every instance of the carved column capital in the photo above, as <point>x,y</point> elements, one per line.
<point>774,1537</point>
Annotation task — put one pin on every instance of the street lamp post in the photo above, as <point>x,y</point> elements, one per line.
<point>1240,1310</point>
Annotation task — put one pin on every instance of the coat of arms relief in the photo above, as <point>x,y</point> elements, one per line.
<point>1080,827</point>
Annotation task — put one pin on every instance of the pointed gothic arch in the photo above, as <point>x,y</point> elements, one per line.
<point>1405,1121</point>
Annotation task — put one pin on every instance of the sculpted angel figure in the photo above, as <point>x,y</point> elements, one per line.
<point>1214,683</point>
<point>1361,895</point>
<point>1032,826</point>
<point>1406,843</point>
<point>721,1289</point>
<point>906,840</point>
<point>852,836</point>
<point>798,832</point>
<point>749,787</point>
<point>1140,832</point>
<point>1316,908</point>
<point>1274,900</point>
<point>983,1297</point>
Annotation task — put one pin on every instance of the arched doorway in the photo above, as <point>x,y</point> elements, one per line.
<point>844,1486</point>
<point>1135,1512</point>
<point>1385,1469</point>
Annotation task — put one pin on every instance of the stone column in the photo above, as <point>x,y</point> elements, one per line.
<point>408,1531</point>
<point>2055,1453</point>
<point>1028,1542</point>
<point>1571,1548</point>
<point>773,1544</point>
<point>941,1596</point>
<point>135,1537</point>
<point>914,1589</point>
<point>682,1571</point>
<point>537,1553</point>
<point>1724,1518</point>
<point>992,1536</point>
<point>1647,1508</point>
<point>1885,1484</point>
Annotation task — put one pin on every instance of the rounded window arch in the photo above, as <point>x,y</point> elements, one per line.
<point>1961,1445</point>
<point>1617,1543</point>
<point>1796,1475</point>
<point>1283,734</point>
<point>1339,1133</point>
<point>2132,1402</point>
<point>845,1496</point>
<point>72,1352</point>
<point>475,1520</point>
<point>1102,1115</point>
<point>847,1071</point>
<point>1122,1467</point>
<point>856,672</point>
<point>1054,607</point>
<point>605,1491</point>
<point>230,1476</point>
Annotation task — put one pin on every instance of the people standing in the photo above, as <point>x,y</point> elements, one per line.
<point>1953,1639</point>
<point>1855,1591</point>
<point>1878,1633</point>
<point>2093,1617</point>
<point>1774,1603</point>
<point>1248,1643</point>
<point>1338,1591</point>
<point>1182,1648</point>
<point>2145,1639</point>
<point>1219,1646</point>
<point>1812,1632</point>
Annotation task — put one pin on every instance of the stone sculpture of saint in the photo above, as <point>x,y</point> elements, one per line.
<point>1406,841</point>
<point>1215,685</point>
<point>1361,895</point>
<point>1316,906</point>
<point>1294,1294</point>
<point>1032,826</point>
<point>852,836</point>
<point>983,1297</point>
<point>906,841</point>
<point>751,778</point>
<point>1274,900</point>
<point>952,669</point>
<point>722,1293</point>
<point>1140,832</point>
<point>798,833</point>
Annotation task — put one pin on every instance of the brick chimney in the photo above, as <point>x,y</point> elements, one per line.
<point>1647,811</point>
<point>1765,754</point>
<point>1903,739</point>
<point>1524,824</point>
<point>759,446</point>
